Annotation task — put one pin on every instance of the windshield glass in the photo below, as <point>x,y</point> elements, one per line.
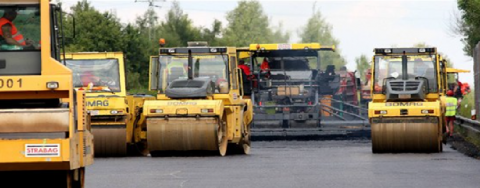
<point>103,74</point>
<point>418,67</point>
<point>204,66</point>
<point>284,68</point>
<point>291,63</point>
<point>19,28</point>
<point>452,81</point>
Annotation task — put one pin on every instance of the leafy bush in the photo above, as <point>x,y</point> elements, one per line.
<point>468,103</point>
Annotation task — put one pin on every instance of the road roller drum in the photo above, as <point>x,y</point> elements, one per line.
<point>186,134</point>
<point>109,141</point>
<point>398,135</point>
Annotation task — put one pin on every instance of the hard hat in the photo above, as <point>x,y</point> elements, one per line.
<point>449,93</point>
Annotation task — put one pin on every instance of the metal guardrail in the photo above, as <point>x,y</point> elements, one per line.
<point>468,124</point>
<point>470,129</point>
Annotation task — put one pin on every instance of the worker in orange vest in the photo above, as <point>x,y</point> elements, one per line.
<point>264,65</point>
<point>245,68</point>
<point>265,68</point>
<point>9,32</point>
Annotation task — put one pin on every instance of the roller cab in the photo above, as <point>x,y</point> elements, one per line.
<point>453,79</point>
<point>101,75</point>
<point>406,112</point>
<point>44,129</point>
<point>200,104</point>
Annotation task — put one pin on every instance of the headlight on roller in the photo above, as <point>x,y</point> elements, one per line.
<point>380,112</point>
<point>207,110</point>
<point>428,111</point>
<point>116,112</point>
<point>156,111</point>
<point>52,85</point>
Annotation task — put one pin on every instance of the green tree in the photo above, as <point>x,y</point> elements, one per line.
<point>137,54</point>
<point>147,23</point>
<point>363,64</point>
<point>318,30</point>
<point>178,28</point>
<point>468,24</point>
<point>278,36</point>
<point>247,24</point>
<point>144,37</point>
<point>212,36</point>
<point>95,31</point>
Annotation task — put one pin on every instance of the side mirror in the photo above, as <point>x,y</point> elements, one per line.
<point>359,83</point>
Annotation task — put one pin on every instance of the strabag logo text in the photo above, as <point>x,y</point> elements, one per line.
<point>42,150</point>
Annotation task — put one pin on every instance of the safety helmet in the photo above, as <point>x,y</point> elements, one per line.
<point>449,93</point>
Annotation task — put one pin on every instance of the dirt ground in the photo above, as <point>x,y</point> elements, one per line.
<point>458,143</point>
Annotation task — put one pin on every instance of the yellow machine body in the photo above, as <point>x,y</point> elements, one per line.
<point>297,46</point>
<point>40,134</point>
<point>453,70</point>
<point>106,98</point>
<point>243,53</point>
<point>198,123</point>
<point>137,124</point>
<point>452,77</point>
<point>407,122</point>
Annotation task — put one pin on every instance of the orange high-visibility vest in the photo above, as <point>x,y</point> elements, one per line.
<point>264,66</point>
<point>15,34</point>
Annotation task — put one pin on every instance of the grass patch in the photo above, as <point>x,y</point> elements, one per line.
<point>468,135</point>
<point>468,103</point>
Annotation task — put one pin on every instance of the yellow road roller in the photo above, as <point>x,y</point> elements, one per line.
<point>137,124</point>
<point>45,138</point>
<point>200,104</point>
<point>406,112</point>
<point>102,76</point>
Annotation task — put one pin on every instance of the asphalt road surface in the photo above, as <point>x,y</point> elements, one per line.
<point>291,164</point>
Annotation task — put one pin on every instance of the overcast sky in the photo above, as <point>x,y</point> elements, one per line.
<point>359,25</point>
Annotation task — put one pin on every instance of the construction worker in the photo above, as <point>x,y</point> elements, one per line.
<point>89,77</point>
<point>465,88</point>
<point>457,92</point>
<point>451,111</point>
<point>265,68</point>
<point>246,78</point>
<point>245,68</point>
<point>9,32</point>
